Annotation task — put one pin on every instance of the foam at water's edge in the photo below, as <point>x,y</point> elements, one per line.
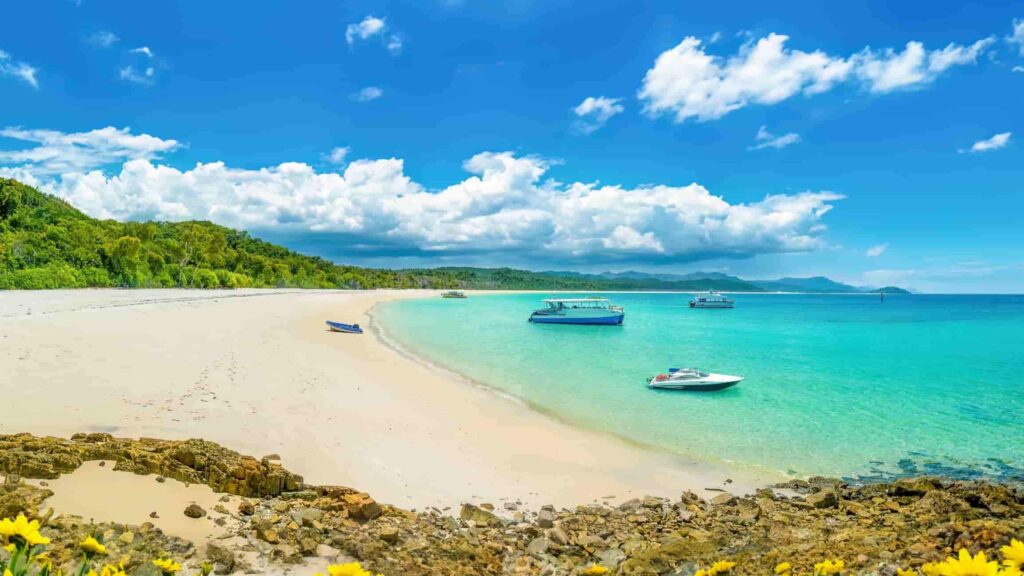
<point>376,326</point>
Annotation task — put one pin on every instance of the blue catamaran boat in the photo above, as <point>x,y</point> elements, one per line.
<point>346,328</point>
<point>578,311</point>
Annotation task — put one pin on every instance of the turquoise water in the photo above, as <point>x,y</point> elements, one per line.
<point>836,385</point>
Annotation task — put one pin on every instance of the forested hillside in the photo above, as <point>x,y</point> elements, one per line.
<point>46,243</point>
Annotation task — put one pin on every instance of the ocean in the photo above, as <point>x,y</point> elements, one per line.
<point>838,385</point>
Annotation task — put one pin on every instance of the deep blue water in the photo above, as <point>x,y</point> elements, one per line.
<point>835,384</point>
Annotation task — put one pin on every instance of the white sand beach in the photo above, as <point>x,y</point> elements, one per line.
<point>257,371</point>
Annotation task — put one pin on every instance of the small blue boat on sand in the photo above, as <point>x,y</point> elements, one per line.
<point>346,328</point>
<point>579,311</point>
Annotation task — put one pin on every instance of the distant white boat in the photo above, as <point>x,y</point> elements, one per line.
<point>578,311</point>
<point>454,294</point>
<point>692,379</point>
<point>710,299</point>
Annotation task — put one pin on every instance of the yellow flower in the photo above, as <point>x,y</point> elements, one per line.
<point>92,546</point>
<point>720,567</point>
<point>783,568</point>
<point>44,561</point>
<point>966,565</point>
<point>110,570</point>
<point>701,572</point>
<point>907,572</point>
<point>1013,555</point>
<point>934,569</point>
<point>350,569</point>
<point>1011,571</point>
<point>10,548</point>
<point>595,570</point>
<point>23,531</point>
<point>829,567</point>
<point>166,565</point>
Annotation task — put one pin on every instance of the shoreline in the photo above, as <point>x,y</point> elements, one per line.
<point>743,470</point>
<point>267,377</point>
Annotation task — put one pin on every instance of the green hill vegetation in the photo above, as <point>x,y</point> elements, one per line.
<point>47,243</point>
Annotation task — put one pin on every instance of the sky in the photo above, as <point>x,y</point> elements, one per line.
<point>874,143</point>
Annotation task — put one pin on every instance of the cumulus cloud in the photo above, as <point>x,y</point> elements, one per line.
<point>994,143</point>
<point>687,82</point>
<point>102,39</point>
<point>593,112</point>
<point>337,155</point>
<point>367,94</point>
<point>144,50</point>
<point>144,77</point>
<point>58,152</point>
<point>1016,38</point>
<point>1018,68</point>
<point>876,250</point>
<point>20,70</point>
<point>507,203</point>
<point>766,139</point>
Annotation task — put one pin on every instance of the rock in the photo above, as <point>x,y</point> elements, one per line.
<point>224,498</point>
<point>558,536</point>
<point>478,516</point>
<point>546,518</point>
<point>222,558</point>
<point>388,534</point>
<point>651,502</point>
<point>611,557</point>
<point>822,499</point>
<point>538,546</point>
<point>126,538</point>
<point>246,508</point>
<point>220,509</point>
<point>361,507</point>
<point>153,514</point>
<point>325,551</point>
<point>161,479</point>
<point>723,499</point>
<point>195,511</point>
<point>268,535</point>
<point>281,506</point>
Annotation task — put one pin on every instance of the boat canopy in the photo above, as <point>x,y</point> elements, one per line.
<point>577,303</point>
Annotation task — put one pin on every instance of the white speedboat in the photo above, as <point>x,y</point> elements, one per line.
<point>692,379</point>
<point>710,299</point>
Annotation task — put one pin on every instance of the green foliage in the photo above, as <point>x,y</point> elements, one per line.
<point>46,243</point>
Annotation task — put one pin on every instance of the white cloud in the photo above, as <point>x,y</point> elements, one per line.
<point>687,82</point>
<point>337,155</point>
<point>394,44</point>
<point>367,94</point>
<point>19,70</point>
<point>595,112</point>
<point>144,77</point>
<point>994,143</point>
<point>1017,37</point>
<point>876,250</point>
<point>368,28</point>
<point>889,70</point>
<point>103,39</point>
<point>142,50</point>
<point>59,152</point>
<point>1018,68</point>
<point>766,139</point>
<point>507,204</point>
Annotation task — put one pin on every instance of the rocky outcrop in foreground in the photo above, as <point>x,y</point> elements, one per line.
<point>875,528</point>
<point>190,461</point>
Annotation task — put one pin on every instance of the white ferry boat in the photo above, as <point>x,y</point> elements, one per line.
<point>454,294</point>
<point>578,311</point>
<point>710,299</point>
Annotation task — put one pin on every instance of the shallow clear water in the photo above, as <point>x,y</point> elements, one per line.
<point>835,385</point>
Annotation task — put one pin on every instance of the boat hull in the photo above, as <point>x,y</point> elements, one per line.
<point>710,305</point>
<point>345,328</point>
<point>606,320</point>
<point>704,387</point>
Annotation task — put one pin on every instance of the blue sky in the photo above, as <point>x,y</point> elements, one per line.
<point>760,140</point>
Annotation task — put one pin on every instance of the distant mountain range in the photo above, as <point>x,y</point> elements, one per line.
<point>725,282</point>
<point>47,243</point>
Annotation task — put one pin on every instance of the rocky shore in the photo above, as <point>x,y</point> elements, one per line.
<point>282,522</point>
